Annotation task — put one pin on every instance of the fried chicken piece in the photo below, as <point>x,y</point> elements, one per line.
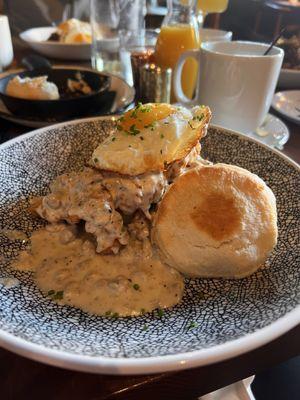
<point>80,196</point>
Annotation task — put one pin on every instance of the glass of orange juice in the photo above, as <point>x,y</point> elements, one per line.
<point>205,7</point>
<point>179,32</point>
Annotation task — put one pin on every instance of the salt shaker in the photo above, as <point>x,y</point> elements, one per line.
<point>155,84</point>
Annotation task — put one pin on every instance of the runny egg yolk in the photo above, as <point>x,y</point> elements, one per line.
<point>144,116</point>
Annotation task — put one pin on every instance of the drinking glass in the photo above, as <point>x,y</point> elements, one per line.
<point>107,18</point>
<point>136,49</point>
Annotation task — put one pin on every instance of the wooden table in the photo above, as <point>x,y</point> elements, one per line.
<point>24,379</point>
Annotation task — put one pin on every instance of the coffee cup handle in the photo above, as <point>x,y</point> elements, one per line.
<point>180,96</point>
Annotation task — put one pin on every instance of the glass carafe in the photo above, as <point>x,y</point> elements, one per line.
<point>179,32</point>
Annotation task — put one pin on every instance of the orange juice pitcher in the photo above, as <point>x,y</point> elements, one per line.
<point>179,32</point>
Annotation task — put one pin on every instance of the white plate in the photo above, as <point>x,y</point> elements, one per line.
<point>272,132</point>
<point>124,97</point>
<point>287,103</point>
<point>289,79</point>
<point>36,38</point>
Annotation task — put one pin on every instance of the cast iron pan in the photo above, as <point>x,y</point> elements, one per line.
<point>69,106</point>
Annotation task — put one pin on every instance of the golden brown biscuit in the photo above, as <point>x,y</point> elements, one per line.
<point>216,221</point>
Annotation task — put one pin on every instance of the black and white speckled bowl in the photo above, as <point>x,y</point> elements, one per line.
<point>232,316</point>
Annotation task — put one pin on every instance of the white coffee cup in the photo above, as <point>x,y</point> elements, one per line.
<point>214,35</point>
<point>6,49</point>
<point>235,80</point>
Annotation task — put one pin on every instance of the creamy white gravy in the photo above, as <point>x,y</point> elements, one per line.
<point>68,269</point>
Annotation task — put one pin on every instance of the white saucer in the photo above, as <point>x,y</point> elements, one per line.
<point>287,103</point>
<point>272,132</point>
<point>124,97</point>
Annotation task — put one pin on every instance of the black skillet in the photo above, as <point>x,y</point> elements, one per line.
<point>69,106</point>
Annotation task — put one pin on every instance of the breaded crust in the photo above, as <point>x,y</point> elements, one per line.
<point>216,221</point>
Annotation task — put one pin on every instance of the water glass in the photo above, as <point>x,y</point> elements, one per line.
<point>108,17</point>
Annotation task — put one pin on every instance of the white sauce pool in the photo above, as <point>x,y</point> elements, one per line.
<point>68,269</point>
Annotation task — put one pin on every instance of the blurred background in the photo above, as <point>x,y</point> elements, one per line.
<point>248,19</point>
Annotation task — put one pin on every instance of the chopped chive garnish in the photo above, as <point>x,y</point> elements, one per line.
<point>191,126</point>
<point>162,135</point>
<point>160,313</point>
<point>136,286</point>
<point>51,292</point>
<point>113,139</point>
<point>198,117</point>
<point>58,295</point>
<point>145,327</point>
<point>192,325</point>
<point>95,160</point>
<point>133,130</point>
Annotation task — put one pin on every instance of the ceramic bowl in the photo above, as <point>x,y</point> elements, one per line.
<point>232,316</point>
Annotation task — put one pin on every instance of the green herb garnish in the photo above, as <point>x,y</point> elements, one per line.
<point>160,313</point>
<point>198,117</point>
<point>133,130</point>
<point>192,325</point>
<point>191,126</point>
<point>58,295</point>
<point>145,327</point>
<point>136,286</point>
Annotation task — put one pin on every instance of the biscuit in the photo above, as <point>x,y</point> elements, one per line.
<point>216,221</point>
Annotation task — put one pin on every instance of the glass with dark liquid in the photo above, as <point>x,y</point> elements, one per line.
<point>139,58</point>
<point>136,49</point>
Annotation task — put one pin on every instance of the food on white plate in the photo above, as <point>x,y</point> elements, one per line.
<point>72,31</point>
<point>38,88</point>
<point>216,221</point>
<point>96,252</point>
